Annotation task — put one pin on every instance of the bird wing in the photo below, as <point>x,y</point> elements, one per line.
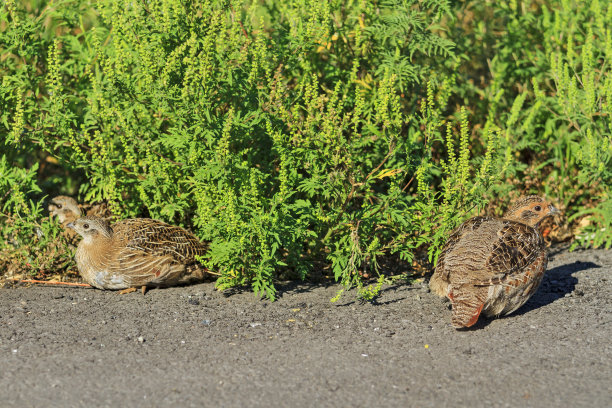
<point>158,239</point>
<point>518,246</point>
<point>97,210</point>
<point>136,268</point>
<point>468,226</point>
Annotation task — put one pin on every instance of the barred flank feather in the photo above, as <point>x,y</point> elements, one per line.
<point>467,305</point>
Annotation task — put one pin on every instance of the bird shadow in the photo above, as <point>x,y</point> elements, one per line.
<point>283,288</point>
<point>297,287</point>
<point>557,283</point>
<point>348,298</point>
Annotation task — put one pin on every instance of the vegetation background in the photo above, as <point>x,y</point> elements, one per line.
<point>302,138</point>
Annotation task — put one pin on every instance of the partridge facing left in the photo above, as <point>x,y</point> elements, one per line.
<point>136,253</point>
<point>493,265</point>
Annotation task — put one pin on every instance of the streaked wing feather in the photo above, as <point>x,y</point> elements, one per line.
<point>453,239</point>
<point>517,247</point>
<point>139,269</point>
<point>156,238</point>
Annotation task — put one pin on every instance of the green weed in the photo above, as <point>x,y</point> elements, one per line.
<point>302,138</point>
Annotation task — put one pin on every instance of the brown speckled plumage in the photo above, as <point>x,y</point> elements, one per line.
<point>138,252</point>
<point>493,265</point>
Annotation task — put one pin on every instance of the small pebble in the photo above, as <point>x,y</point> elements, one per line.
<point>254,324</point>
<point>141,339</point>
<point>194,302</point>
<point>206,322</point>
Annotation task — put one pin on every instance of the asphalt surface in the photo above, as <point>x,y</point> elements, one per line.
<point>195,346</point>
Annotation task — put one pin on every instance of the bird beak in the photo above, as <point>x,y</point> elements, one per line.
<point>70,225</point>
<point>553,210</point>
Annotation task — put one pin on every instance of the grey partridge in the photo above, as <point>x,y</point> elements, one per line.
<point>137,252</point>
<point>493,265</point>
<point>64,208</point>
<point>67,209</point>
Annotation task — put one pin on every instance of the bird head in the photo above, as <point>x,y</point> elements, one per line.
<point>92,228</point>
<point>531,210</point>
<point>64,208</point>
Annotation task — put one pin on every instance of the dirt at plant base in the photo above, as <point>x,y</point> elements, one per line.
<point>194,346</point>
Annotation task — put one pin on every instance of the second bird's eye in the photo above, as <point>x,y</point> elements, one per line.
<point>537,208</point>
<point>85,226</point>
<point>59,206</point>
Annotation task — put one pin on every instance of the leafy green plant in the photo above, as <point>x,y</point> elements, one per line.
<point>30,242</point>
<point>581,105</point>
<point>517,64</point>
<point>564,117</point>
<point>300,138</point>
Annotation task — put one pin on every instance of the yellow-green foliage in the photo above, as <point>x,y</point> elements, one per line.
<point>540,71</point>
<point>296,136</point>
<point>572,108</point>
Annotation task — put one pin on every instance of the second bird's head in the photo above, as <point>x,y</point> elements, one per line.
<point>66,209</point>
<point>92,228</point>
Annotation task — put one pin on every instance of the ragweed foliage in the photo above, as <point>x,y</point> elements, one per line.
<point>300,138</point>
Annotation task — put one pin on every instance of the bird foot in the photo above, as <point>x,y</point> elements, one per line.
<point>128,290</point>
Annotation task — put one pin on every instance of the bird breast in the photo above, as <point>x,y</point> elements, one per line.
<point>95,265</point>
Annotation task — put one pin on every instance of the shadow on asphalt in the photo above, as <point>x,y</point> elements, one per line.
<point>557,283</point>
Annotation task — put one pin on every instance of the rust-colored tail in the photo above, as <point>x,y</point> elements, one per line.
<point>467,305</point>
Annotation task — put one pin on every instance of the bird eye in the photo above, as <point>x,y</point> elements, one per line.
<point>59,206</point>
<point>85,226</point>
<point>537,208</point>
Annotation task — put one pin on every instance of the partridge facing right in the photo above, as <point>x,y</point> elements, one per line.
<point>493,265</point>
